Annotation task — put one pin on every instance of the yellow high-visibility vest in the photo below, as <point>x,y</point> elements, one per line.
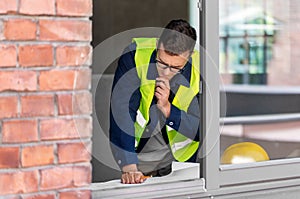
<point>182,147</point>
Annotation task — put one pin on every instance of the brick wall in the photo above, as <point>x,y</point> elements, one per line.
<point>284,68</point>
<point>45,99</point>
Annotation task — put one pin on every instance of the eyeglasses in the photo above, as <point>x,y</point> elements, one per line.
<point>164,66</point>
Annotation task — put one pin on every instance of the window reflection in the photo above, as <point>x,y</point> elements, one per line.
<point>259,56</point>
<point>247,33</point>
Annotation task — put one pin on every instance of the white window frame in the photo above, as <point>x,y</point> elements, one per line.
<point>278,173</point>
<point>210,98</point>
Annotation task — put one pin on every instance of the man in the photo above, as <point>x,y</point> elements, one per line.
<point>155,115</point>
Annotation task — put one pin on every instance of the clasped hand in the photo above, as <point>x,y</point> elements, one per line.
<point>162,92</point>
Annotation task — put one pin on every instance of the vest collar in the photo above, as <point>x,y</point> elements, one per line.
<point>179,79</point>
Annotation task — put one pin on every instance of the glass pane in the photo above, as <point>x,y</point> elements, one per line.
<point>259,56</point>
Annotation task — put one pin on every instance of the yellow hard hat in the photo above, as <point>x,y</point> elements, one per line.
<point>244,152</point>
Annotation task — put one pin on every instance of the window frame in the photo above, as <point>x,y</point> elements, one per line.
<point>279,173</point>
<point>215,179</point>
<point>210,97</point>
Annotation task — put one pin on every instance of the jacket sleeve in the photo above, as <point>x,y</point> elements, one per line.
<point>125,98</point>
<point>186,123</point>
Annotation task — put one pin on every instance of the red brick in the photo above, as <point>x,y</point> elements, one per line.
<point>80,103</point>
<point>8,6</point>
<point>74,152</point>
<point>74,7</point>
<point>65,177</point>
<point>36,55</point>
<point>65,104</point>
<point>19,131</point>
<point>80,194</point>
<point>65,30</point>
<point>8,56</point>
<point>18,182</point>
<point>20,29</point>
<point>40,196</point>
<point>57,129</point>
<point>73,55</point>
<point>8,107</point>
<point>84,78</point>
<point>57,80</point>
<point>37,7</point>
<point>9,157</point>
<point>37,105</point>
<point>18,81</point>
<point>82,176</point>
<point>37,155</point>
<point>56,178</point>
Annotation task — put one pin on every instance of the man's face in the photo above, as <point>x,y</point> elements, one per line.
<point>169,65</point>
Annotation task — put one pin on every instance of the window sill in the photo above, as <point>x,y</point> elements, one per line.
<point>183,180</point>
<point>150,190</point>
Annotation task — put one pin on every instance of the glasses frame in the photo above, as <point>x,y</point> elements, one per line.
<point>164,66</point>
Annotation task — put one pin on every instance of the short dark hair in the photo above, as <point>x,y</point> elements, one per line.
<point>178,37</point>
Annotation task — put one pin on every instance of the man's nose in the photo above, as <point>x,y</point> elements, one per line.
<point>166,72</point>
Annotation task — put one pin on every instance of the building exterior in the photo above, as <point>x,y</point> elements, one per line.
<point>259,43</point>
<point>45,99</point>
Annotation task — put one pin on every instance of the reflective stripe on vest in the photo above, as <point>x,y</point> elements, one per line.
<point>182,147</point>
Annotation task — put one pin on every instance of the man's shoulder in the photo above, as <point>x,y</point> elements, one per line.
<point>130,49</point>
<point>126,60</point>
